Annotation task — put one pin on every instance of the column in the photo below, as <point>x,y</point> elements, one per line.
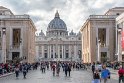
<point>62,52</point>
<point>53,51</point>
<point>3,45</point>
<point>107,43</point>
<point>10,43</point>
<point>50,52</point>
<point>107,37</point>
<point>119,47</point>
<point>70,52</point>
<point>97,55</point>
<point>75,53</point>
<point>58,52</point>
<point>42,46</point>
<point>37,51</point>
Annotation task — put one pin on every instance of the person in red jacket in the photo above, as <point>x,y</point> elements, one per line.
<point>121,75</point>
<point>54,68</point>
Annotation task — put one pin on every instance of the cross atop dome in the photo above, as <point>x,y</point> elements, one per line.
<point>57,14</point>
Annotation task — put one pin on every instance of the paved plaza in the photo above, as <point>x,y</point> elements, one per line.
<point>35,76</point>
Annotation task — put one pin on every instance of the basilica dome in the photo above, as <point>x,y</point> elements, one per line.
<point>57,23</point>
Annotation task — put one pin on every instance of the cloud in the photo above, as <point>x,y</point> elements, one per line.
<point>73,12</point>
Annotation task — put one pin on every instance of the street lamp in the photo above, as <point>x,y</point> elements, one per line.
<point>4,30</point>
<point>20,47</point>
<point>98,57</point>
<point>119,30</point>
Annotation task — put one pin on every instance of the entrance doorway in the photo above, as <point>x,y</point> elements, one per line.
<point>15,55</point>
<point>103,57</point>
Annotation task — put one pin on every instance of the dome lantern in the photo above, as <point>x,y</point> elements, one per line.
<point>57,14</point>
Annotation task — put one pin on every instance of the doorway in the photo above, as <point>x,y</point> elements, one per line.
<point>15,55</point>
<point>103,57</point>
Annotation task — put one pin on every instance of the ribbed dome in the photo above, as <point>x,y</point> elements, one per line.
<point>57,23</point>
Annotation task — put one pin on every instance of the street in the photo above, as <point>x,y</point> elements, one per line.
<point>36,76</point>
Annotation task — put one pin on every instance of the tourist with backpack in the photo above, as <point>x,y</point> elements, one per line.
<point>121,75</point>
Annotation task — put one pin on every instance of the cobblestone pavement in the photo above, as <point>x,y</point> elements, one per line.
<point>81,76</point>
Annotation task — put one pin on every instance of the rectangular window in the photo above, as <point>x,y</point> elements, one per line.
<point>45,55</point>
<point>60,55</point>
<point>66,56</point>
<point>102,36</point>
<point>51,55</point>
<point>104,57</point>
<point>56,56</point>
<point>16,37</point>
<point>51,50</point>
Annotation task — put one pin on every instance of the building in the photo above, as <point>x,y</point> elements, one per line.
<point>57,44</point>
<point>98,36</point>
<point>120,37</point>
<point>17,37</point>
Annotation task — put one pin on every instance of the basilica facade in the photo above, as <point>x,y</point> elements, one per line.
<point>57,44</point>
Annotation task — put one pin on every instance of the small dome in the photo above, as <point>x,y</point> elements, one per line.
<point>41,33</point>
<point>79,33</point>
<point>57,23</point>
<point>72,33</point>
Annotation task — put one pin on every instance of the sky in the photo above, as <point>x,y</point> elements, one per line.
<point>73,12</point>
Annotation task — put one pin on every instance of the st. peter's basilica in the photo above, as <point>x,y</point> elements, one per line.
<point>58,44</point>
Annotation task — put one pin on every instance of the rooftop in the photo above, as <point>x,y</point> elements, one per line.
<point>1,7</point>
<point>102,16</point>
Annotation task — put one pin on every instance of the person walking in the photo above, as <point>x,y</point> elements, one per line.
<point>105,74</point>
<point>93,68</point>
<point>44,67</point>
<point>41,67</point>
<point>53,68</point>
<point>69,69</point>
<point>66,69</point>
<point>121,75</point>
<point>24,71</point>
<point>58,69</point>
<point>17,72</point>
<point>63,66</point>
<point>96,76</point>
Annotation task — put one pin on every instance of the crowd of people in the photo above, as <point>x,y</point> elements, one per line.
<point>6,68</point>
<point>17,68</point>
<point>56,66</point>
<point>100,72</point>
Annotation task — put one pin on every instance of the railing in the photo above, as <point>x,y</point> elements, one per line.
<point>14,16</point>
<point>102,16</point>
